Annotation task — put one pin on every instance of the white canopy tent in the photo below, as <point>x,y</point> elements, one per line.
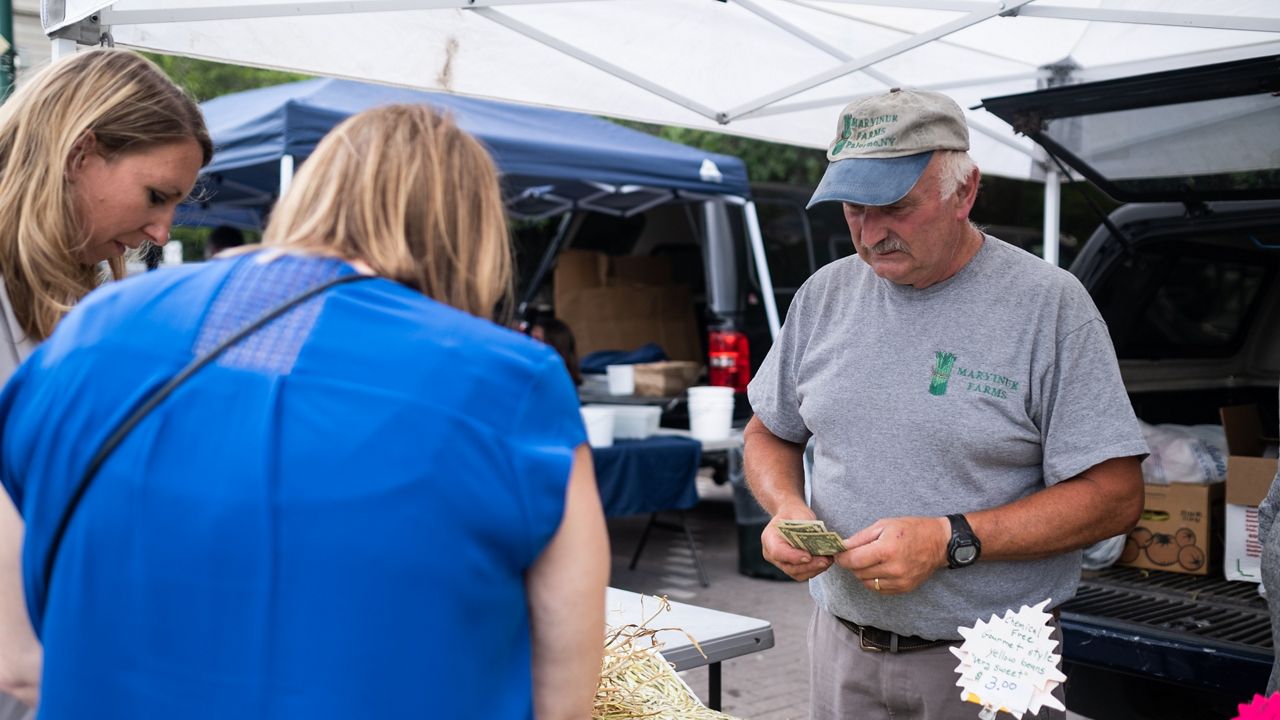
<point>777,70</point>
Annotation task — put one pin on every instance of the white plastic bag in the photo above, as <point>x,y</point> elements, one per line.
<point>1184,454</point>
<point>1103,553</point>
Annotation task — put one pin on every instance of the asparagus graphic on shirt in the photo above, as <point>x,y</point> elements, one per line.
<point>941,373</point>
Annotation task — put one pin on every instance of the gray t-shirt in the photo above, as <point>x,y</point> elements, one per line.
<point>966,395</point>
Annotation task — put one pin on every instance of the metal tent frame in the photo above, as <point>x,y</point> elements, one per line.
<point>770,69</point>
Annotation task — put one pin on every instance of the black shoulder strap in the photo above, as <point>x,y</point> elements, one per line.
<point>130,422</point>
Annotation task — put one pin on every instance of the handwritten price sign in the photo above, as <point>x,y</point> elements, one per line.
<point>1008,664</point>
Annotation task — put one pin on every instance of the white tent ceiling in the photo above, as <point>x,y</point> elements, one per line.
<point>773,69</point>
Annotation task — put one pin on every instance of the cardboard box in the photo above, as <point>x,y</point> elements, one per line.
<point>1249,477</point>
<point>614,304</point>
<point>638,270</point>
<point>576,269</point>
<point>1180,530</point>
<point>583,269</point>
<point>665,379</point>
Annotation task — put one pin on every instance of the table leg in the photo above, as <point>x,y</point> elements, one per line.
<point>713,686</point>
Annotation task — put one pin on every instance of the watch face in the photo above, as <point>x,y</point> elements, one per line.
<point>965,554</point>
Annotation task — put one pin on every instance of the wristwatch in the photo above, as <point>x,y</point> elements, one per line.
<point>964,548</point>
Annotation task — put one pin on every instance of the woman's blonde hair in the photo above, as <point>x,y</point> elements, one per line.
<point>406,191</point>
<point>127,104</point>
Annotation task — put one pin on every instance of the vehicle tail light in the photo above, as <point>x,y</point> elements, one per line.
<point>729,359</point>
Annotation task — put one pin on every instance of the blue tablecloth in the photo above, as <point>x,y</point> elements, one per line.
<point>650,475</point>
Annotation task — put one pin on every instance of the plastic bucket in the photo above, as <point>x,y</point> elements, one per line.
<point>710,392</point>
<point>633,422</point>
<point>710,417</point>
<point>599,423</point>
<point>622,379</point>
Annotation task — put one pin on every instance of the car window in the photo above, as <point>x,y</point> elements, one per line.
<point>1186,301</point>
<point>830,232</point>
<point>784,228</point>
<point>785,231</point>
<point>799,241</point>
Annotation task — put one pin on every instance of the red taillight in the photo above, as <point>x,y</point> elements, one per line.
<point>728,359</point>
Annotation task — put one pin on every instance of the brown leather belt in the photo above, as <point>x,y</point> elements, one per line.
<point>876,640</point>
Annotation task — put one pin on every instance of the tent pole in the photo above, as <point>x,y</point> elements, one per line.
<point>1052,214</point>
<point>544,266</point>
<point>762,267</point>
<point>286,173</point>
<point>62,48</point>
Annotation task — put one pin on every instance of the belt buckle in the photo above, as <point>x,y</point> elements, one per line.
<point>862,641</point>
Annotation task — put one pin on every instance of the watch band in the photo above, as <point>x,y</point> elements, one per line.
<point>962,535</point>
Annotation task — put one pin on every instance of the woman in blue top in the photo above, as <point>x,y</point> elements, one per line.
<point>377,505</point>
<point>96,152</point>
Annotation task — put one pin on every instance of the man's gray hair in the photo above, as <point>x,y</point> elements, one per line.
<point>954,168</point>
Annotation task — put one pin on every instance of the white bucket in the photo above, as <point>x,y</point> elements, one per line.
<point>599,423</point>
<point>622,379</point>
<point>633,422</point>
<point>710,392</point>
<point>710,412</point>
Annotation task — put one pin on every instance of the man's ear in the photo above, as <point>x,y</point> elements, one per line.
<point>85,145</point>
<point>968,192</point>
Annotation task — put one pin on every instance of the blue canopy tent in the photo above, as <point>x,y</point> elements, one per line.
<point>551,161</point>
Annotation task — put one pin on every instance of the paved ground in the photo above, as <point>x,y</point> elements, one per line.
<point>768,685</point>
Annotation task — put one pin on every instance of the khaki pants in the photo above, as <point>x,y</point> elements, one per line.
<point>849,683</point>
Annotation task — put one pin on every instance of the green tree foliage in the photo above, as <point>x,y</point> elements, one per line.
<point>205,79</point>
<point>766,161</point>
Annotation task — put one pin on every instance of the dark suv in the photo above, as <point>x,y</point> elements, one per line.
<point>1186,276</point>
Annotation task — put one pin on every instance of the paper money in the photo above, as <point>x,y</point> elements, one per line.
<point>812,536</point>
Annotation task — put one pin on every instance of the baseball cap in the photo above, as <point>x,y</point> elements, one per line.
<point>883,143</point>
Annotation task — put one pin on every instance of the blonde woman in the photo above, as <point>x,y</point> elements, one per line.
<point>95,153</point>
<point>378,504</point>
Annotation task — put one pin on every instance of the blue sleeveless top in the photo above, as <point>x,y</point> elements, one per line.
<point>334,520</point>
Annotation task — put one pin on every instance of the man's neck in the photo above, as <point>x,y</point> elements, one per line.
<point>963,250</point>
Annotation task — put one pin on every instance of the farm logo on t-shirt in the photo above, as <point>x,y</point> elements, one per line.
<point>943,361</point>
<point>975,381</point>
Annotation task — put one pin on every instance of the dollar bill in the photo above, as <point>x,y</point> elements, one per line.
<point>811,536</point>
<point>816,525</point>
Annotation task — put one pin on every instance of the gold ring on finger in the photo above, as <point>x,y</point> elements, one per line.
<point>877,583</point>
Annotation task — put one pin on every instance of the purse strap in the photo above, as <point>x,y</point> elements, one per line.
<point>129,423</point>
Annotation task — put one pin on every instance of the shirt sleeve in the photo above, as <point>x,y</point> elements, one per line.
<point>1087,416</point>
<point>774,393</point>
<point>543,439</point>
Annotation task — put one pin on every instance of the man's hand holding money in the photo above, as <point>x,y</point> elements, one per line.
<point>798,543</point>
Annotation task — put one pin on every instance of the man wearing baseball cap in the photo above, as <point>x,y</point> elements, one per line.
<point>970,429</point>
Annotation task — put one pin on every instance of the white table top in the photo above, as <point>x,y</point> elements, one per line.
<point>721,635</point>
<point>733,441</point>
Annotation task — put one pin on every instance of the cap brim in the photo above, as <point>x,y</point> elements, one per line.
<point>870,181</point>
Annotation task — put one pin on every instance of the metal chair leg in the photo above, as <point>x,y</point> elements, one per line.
<point>697,559</point>
<point>644,538</point>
